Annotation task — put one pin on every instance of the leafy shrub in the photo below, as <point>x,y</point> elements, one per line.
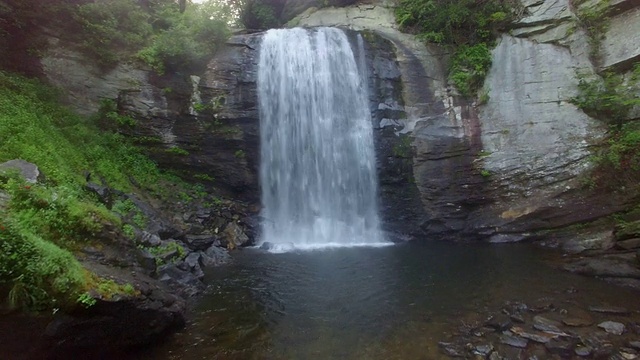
<point>469,67</point>
<point>189,38</point>
<point>64,145</point>
<point>468,25</point>
<point>109,115</point>
<point>36,274</point>
<point>59,215</point>
<point>623,148</point>
<point>261,15</point>
<point>113,27</point>
<point>454,22</point>
<point>609,97</point>
<point>41,222</point>
<point>594,21</point>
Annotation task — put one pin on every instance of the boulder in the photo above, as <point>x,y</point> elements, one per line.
<point>629,244</point>
<point>200,242</point>
<point>605,267</point>
<point>27,170</point>
<point>214,256</point>
<point>234,236</point>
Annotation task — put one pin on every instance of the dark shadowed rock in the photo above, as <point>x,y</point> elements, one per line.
<point>562,347</point>
<point>583,351</point>
<point>104,193</point>
<point>146,260</point>
<point>499,322</point>
<point>214,256</point>
<point>200,242</point>
<point>627,231</point>
<point>609,310</point>
<point>606,267</point>
<point>128,322</point>
<point>628,244</point>
<point>192,264</point>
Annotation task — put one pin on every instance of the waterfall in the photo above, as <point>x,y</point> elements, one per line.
<point>317,172</point>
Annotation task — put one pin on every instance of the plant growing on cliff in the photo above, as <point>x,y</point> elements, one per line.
<point>609,97</point>
<point>112,28</point>
<point>41,224</point>
<point>593,19</point>
<point>188,38</point>
<point>469,26</point>
<point>455,22</point>
<point>469,67</point>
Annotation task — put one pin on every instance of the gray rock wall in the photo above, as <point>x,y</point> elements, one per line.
<point>220,144</point>
<point>505,169</point>
<point>499,171</point>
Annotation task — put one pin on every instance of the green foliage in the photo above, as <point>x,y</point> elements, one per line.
<point>204,177</point>
<point>483,96</point>
<point>162,252</point>
<point>188,38</point>
<point>86,300</point>
<point>239,154</point>
<point>469,67</point>
<point>454,22</point>
<point>112,28</point>
<point>469,25</point>
<point>109,111</point>
<point>485,173</point>
<point>594,21</point>
<point>177,151</point>
<point>261,14</point>
<point>38,273</point>
<point>64,145</point>
<point>609,97</point>
<point>622,150</point>
<point>58,214</point>
<point>41,222</point>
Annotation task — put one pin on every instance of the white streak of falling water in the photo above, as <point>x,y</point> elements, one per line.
<point>317,169</point>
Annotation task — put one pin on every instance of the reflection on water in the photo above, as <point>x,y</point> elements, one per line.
<point>368,303</point>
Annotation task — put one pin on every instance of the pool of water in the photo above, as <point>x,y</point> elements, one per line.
<point>392,302</point>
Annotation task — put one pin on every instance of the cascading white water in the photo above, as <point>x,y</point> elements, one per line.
<point>317,169</point>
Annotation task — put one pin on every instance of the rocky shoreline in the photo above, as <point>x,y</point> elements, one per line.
<point>547,329</point>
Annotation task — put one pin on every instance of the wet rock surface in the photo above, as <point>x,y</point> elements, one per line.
<point>573,330</point>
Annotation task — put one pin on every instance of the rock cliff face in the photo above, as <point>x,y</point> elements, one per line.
<point>499,171</point>
<point>508,168</point>
<point>178,118</point>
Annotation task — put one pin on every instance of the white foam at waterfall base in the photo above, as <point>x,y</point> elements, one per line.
<point>317,171</point>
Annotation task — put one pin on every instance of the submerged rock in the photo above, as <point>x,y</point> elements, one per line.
<point>612,327</point>
<point>609,310</point>
<point>583,351</point>
<point>577,321</point>
<point>514,341</point>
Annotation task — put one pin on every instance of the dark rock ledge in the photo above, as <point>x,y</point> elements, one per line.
<point>163,264</point>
